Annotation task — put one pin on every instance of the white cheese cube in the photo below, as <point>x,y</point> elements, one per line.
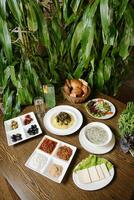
<point>100,172</point>
<point>93,174</point>
<point>105,170</point>
<point>83,176</point>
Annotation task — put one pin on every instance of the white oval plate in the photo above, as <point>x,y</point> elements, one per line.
<point>63,108</point>
<point>107,116</point>
<point>96,150</point>
<point>95,185</point>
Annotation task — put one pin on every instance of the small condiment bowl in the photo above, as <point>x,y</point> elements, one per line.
<point>101,125</point>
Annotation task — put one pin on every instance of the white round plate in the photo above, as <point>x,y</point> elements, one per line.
<point>96,150</point>
<point>107,116</point>
<point>95,185</point>
<point>78,120</point>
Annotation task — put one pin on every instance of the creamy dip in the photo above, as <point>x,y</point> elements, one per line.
<point>97,135</point>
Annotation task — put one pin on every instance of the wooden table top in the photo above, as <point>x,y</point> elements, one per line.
<point>30,185</point>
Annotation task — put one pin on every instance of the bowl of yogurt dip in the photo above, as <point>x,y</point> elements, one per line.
<point>97,134</point>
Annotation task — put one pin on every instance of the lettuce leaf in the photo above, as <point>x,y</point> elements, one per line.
<point>92,160</point>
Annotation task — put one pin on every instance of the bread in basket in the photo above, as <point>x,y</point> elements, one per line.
<point>76,91</point>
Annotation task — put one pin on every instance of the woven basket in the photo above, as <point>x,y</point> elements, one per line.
<point>76,99</point>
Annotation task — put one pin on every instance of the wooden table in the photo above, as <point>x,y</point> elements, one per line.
<point>30,185</point>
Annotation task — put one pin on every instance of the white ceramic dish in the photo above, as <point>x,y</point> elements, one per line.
<point>48,159</point>
<point>98,125</point>
<point>96,150</point>
<point>22,129</point>
<point>107,116</point>
<point>95,185</point>
<point>78,120</point>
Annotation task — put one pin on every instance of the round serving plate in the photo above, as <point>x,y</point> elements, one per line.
<point>106,116</point>
<point>95,149</point>
<point>95,185</point>
<point>78,120</point>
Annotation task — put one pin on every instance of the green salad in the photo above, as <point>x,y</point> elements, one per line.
<point>92,160</point>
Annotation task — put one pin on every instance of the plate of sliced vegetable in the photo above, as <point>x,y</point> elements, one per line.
<point>100,108</point>
<point>93,173</point>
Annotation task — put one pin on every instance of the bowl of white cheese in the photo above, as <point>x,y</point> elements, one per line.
<point>97,134</point>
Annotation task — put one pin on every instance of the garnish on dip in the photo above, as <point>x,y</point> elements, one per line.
<point>62,120</point>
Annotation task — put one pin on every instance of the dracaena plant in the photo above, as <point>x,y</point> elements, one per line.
<point>53,40</point>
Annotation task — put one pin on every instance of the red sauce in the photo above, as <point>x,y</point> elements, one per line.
<point>48,145</point>
<point>64,152</point>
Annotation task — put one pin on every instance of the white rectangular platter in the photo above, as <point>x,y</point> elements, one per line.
<point>22,128</point>
<point>44,159</point>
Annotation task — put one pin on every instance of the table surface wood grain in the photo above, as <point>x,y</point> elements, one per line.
<point>30,185</point>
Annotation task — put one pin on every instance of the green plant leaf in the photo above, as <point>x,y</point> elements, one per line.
<point>13,76</point>
<point>65,10</point>
<point>31,18</point>
<point>75,5</point>
<point>122,8</point>
<point>79,70</point>
<point>77,36</point>
<point>107,69</point>
<point>15,9</point>
<point>90,12</point>
<point>126,39</point>
<point>3,9</point>
<point>17,108</point>
<point>7,75</point>
<point>105,19</point>
<point>33,77</point>
<point>91,73</point>
<point>42,25</point>
<point>8,106</point>
<point>6,40</point>
<point>87,42</point>
<point>58,9</point>
<point>99,76</point>
<point>105,49</point>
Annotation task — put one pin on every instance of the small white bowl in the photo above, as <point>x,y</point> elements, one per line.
<point>97,124</point>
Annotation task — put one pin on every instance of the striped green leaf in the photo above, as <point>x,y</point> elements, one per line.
<point>17,108</point>
<point>79,70</point>
<point>105,19</point>
<point>126,39</point>
<point>100,76</point>
<point>3,13</point>
<point>8,103</point>
<point>89,13</point>
<point>105,50</point>
<point>75,5</point>
<point>77,36</point>
<point>91,73</point>
<point>42,25</point>
<point>31,18</point>
<point>65,10</point>
<point>87,42</point>
<point>107,69</point>
<point>122,8</point>
<point>6,40</point>
<point>13,76</point>
<point>15,9</point>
